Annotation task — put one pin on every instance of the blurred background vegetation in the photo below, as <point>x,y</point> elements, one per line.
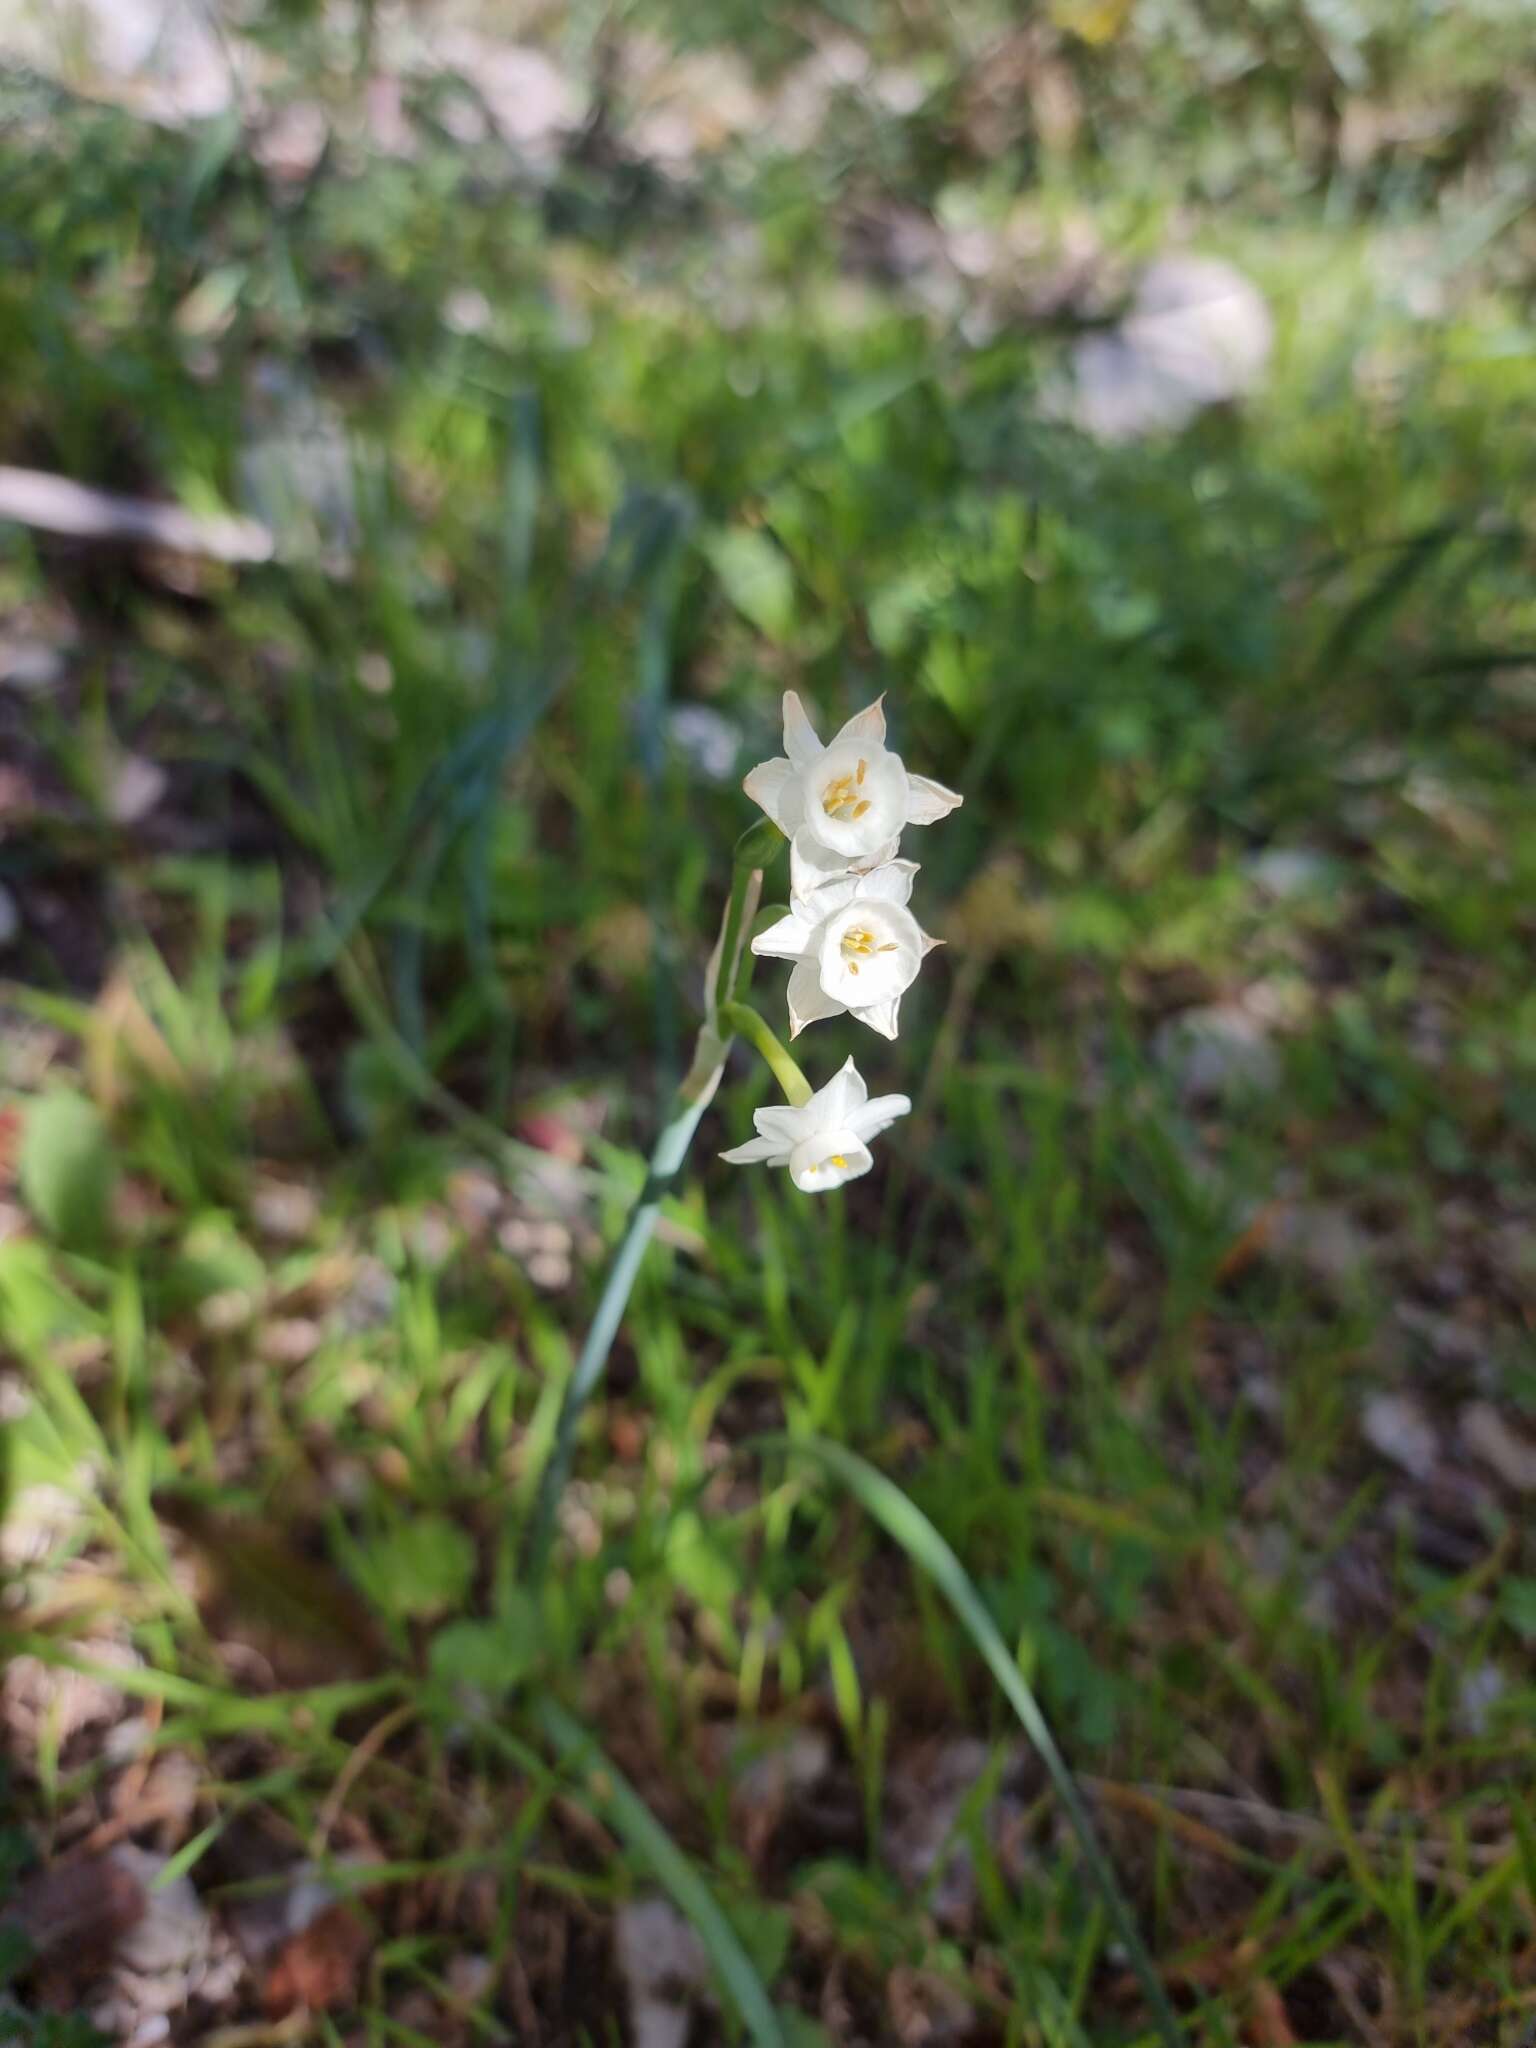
<point>1140,393</point>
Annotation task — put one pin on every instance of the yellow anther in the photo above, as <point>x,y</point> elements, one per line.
<point>838,799</point>
<point>863,771</point>
<point>838,1160</point>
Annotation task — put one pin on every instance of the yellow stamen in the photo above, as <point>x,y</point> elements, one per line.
<point>838,1160</point>
<point>840,798</point>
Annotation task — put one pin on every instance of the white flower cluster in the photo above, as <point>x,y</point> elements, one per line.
<point>856,946</point>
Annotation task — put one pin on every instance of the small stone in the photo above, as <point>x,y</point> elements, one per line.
<point>549,1270</point>
<point>1219,1053</point>
<point>284,1209</point>
<point>1488,1436</point>
<point>1324,1240</point>
<point>370,1299</point>
<point>1198,333</point>
<point>1397,1427</point>
<point>1451,1342</point>
<point>173,1955</point>
<point>663,1963</point>
<point>173,1787</point>
<point>470,1978</point>
<point>133,788</point>
<point>1479,1692</point>
<point>289,1340</point>
<point>475,1197</point>
<point>39,1521</point>
<point>128,1741</point>
<point>30,665</point>
<point>516,1237</point>
<point>173,1935</point>
<point>1286,872</point>
<point>230,1309</point>
<point>432,1237</point>
<point>46,1705</point>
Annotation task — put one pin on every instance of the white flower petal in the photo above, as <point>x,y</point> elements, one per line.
<point>881,1017</point>
<point>800,741</point>
<point>808,1000</point>
<point>827,1160</point>
<point>812,865</point>
<point>842,1100</point>
<point>758,1152</point>
<point>878,1115</point>
<point>786,940</point>
<point>775,785</point>
<point>782,1123</point>
<point>868,724</point>
<point>928,801</point>
<point>825,900</point>
<point>891,882</point>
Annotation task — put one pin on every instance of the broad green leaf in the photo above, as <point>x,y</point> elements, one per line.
<point>488,1656</point>
<point>423,1567</point>
<point>67,1169</point>
<point>755,576</point>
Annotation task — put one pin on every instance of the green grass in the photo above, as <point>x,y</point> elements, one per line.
<point>431,881</point>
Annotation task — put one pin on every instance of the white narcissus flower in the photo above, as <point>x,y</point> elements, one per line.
<point>855,945</point>
<point>826,1140</point>
<point>842,806</point>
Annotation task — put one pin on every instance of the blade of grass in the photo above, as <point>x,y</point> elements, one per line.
<point>905,1523</point>
<point>632,1820</point>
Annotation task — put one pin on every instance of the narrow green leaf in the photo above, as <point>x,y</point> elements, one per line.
<point>905,1523</point>
<point>627,1813</point>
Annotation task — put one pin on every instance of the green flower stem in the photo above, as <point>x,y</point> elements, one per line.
<point>743,1019</point>
<point>671,1150</point>
<point>752,852</point>
<point>694,1095</point>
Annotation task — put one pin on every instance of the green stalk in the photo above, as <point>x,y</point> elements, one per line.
<point>742,1018</point>
<point>694,1094</point>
